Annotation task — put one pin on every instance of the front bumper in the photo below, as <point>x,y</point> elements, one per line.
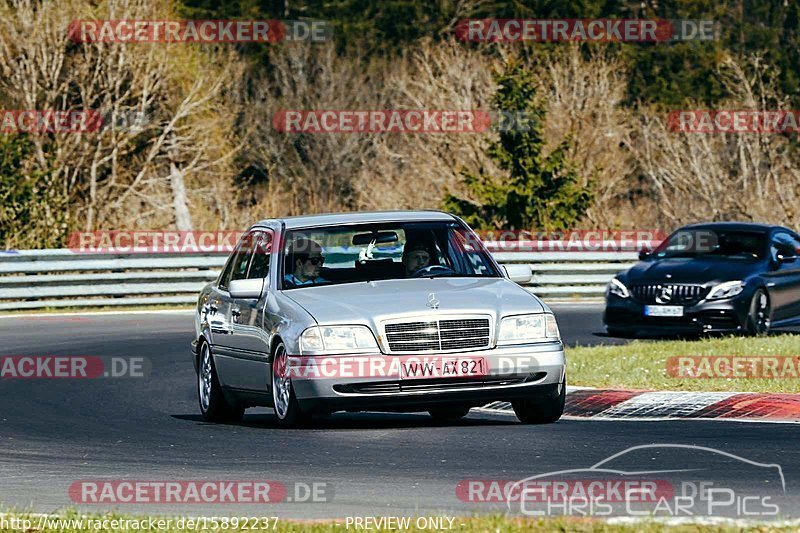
<point>627,315</point>
<point>523,371</point>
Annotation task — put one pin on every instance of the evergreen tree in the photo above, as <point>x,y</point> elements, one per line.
<point>33,213</point>
<point>540,191</point>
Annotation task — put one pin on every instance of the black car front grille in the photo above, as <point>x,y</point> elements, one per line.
<point>668,293</point>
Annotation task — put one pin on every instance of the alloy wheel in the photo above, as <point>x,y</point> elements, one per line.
<point>281,383</point>
<point>204,377</point>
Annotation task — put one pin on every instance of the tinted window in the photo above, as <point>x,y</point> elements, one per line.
<point>785,245</point>
<point>719,243</point>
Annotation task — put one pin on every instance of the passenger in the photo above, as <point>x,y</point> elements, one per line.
<point>304,259</point>
<point>416,256</point>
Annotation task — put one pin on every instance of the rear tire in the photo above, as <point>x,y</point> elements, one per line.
<point>213,405</point>
<point>760,314</point>
<point>449,413</point>
<point>541,410</point>
<point>284,402</point>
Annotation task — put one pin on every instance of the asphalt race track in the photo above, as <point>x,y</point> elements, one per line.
<point>54,432</point>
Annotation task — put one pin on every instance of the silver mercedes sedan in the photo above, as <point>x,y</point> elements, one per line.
<point>389,311</point>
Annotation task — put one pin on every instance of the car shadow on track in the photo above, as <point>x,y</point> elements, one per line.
<point>371,420</point>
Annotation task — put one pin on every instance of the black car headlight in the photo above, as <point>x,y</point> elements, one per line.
<point>729,289</point>
<point>617,288</point>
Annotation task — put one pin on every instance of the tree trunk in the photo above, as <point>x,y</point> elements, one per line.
<point>183,219</point>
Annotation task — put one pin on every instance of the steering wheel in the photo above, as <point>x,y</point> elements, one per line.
<point>431,270</point>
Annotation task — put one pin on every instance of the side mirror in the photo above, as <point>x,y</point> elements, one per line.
<point>644,253</point>
<point>518,273</point>
<point>246,288</point>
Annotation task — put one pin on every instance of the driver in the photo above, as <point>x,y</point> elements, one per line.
<point>416,257</point>
<point>308,260</point>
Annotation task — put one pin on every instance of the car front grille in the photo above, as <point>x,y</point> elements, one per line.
<point>668,293</point>
<point>438,335</point>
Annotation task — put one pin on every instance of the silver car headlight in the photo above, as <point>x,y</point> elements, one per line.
<point>523,329</point>
<point>616,288</point>
<point>337,339</point>
<point>729,289</point>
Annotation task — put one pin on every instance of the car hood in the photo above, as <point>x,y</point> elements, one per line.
<point>691,270</point>
<point>370,302</point>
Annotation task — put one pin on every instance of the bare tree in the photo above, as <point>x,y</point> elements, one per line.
<point>750,176</point>
<point>307,172</point>
<point>125,174</point>
<point>415,170</point>
<point>585,93</point>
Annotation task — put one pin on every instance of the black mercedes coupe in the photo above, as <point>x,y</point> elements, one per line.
<point>723,276</point>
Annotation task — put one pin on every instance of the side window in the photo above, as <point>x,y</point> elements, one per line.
<point>226,274</point>
<point>259,266</point>
<point>794,243</point>
<point>466,246</point>
<point>785,245</point>
<point>237,266</point>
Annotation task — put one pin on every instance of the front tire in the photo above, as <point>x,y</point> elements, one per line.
<point>759,315</point>
<point>541,410</point>
<point>284,401</point>
<point>213,405</point>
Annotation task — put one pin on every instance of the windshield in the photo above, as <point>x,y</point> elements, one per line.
<point>714,243</point>
<point>368,252</point>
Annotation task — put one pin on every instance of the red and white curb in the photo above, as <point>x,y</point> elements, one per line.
<point>620,404</point>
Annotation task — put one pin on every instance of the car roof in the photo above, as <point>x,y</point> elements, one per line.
<point>735,226</point>
<point>362,217</point>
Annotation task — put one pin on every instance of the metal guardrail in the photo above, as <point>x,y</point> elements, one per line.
<point>35,279</point>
